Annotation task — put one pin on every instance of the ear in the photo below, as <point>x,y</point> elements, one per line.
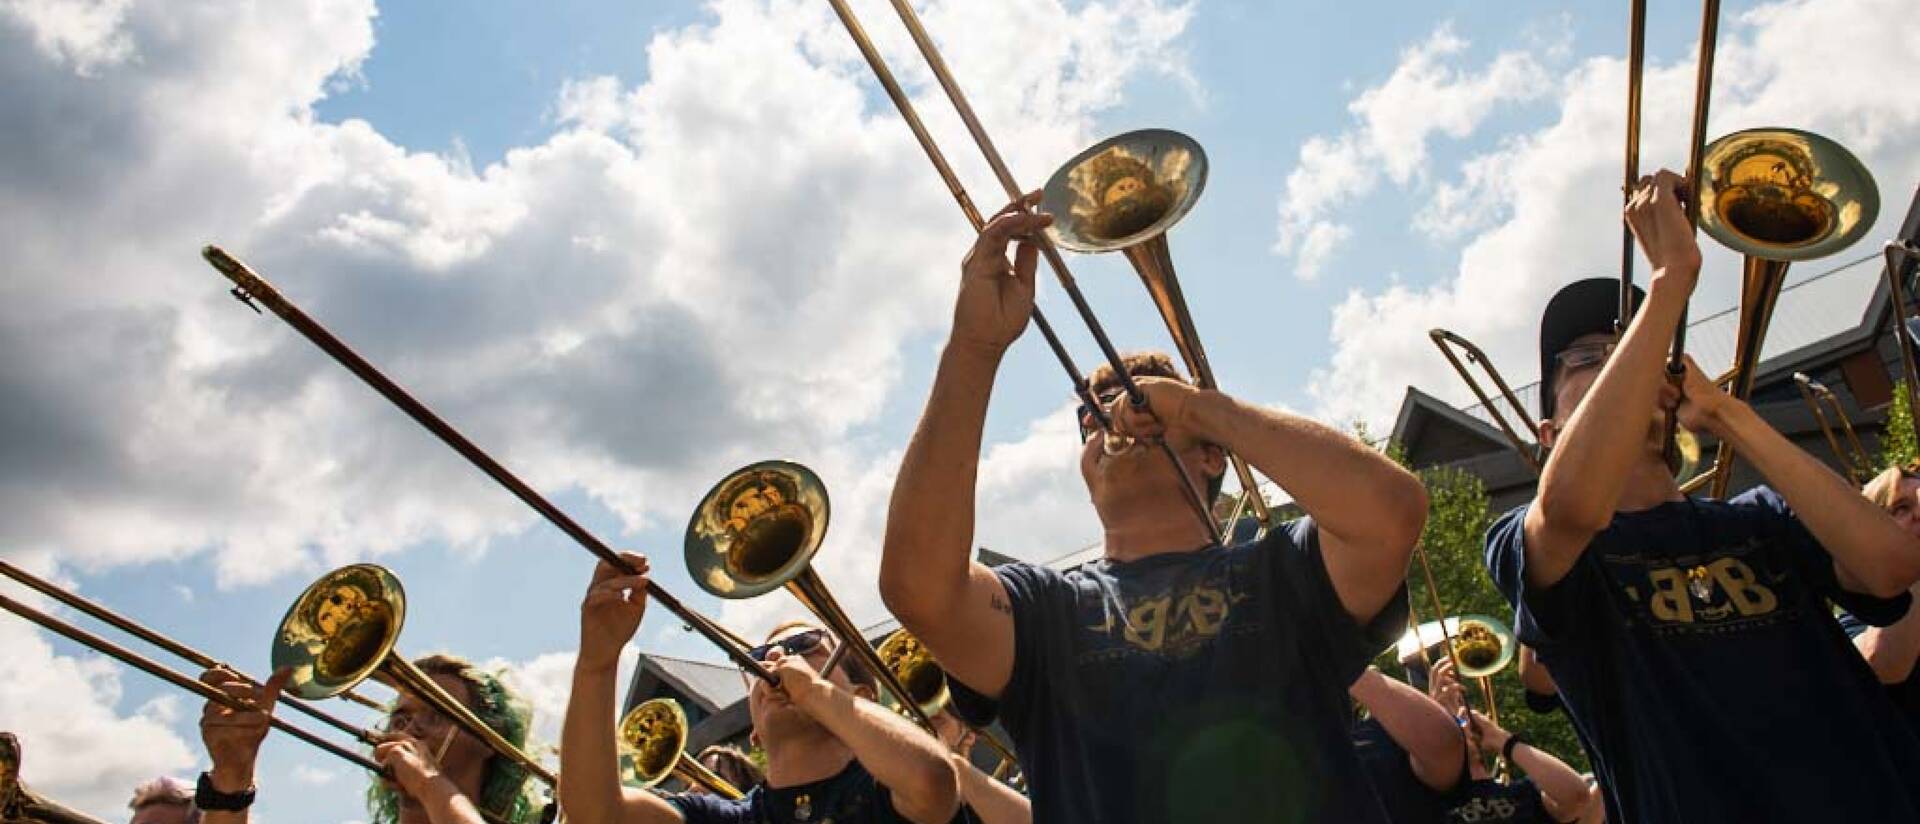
<point>866,691</point>
<point>1213,459</point>
<point>1549,432</point>
<point>754,738</point>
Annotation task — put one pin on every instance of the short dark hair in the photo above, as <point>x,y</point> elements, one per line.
<point>1149,365</point>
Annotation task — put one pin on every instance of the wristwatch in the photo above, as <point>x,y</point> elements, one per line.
<point>1506,752</point>
<point>207,798</point>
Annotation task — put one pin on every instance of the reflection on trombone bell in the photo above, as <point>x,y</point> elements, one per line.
<point>757,531</point>
<point>653,746</point>
<point>1483,644</point>
<point>926,684</point>
<point>1123,194</point>
<point>341,631</point>
<point>1853,459</point>
<point>1777,196</point>
<point>20,804</point>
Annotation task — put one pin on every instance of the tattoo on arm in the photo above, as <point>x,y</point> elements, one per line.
<point>999,604</point>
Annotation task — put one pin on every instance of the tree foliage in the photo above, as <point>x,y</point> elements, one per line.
<point>1897,447</point>
<point>1458,514</point>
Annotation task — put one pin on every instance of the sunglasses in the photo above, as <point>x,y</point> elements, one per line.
<point>799,643</point>
<point>1090,424</point>
<point>1584,356</point>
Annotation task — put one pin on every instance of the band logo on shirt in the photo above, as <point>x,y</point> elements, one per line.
<point>1485,809</point>
<point>1175,623</point>
<point>1715,593</point>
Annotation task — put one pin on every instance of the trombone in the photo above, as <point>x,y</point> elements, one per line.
<point>249,287</point>
<point>19,803</point>
<point>653,737</point>
<point>341,631</point>
<point>1529,451</point>
<point>1774,195</point>
<point>756,531</point>
<point>926,685</point>
<point>1854,459</point>
<point>1193,492</point>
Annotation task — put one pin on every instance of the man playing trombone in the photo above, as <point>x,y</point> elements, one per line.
<point>1691,639</point>
<point>1173,679</point>
<point>832,753</point>
<point>440,774</point>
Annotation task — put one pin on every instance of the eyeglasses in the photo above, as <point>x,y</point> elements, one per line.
<point>799,643</point>
<point>1090,424</point>
<point>1584,356</point>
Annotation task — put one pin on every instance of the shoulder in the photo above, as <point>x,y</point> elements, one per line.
<point>700,807</point>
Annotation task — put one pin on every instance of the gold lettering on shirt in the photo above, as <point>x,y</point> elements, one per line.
<point>1743,588</point>
<point>1670,601</point>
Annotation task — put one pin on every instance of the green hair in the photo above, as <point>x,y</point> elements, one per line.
<point>507,793</point>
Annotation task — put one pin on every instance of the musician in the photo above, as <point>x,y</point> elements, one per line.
<point>1411,748</point>
<point>731,764</point>
<point>1171,679</point>
<point>164,800</point>
<point>990,800</point>
<point>1549,793</point>
<point>1690,638</point>
<point>832,753</point>
<point>441,774</point>
<point>1892,650</point>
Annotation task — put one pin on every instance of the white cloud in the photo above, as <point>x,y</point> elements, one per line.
<point>313,776</point>
<point>1427,95</point>
<point>545,681</point>
<point>1543,208</point>
<point>656,293</point>
<point>79,747</point>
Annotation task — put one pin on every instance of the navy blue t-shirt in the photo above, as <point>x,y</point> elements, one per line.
<point>1695,652</point>
<point>1486,801</point>
<point>850,797</point>
<point>1403,796</point>
<point>1197,686</point>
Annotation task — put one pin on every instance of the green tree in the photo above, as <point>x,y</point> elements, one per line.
<point>1897,447</point>
<point>1458,514</point>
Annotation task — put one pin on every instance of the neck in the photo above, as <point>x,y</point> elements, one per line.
<point>1649,484</point>
<point>804,759</point>
<point>1161,533</point>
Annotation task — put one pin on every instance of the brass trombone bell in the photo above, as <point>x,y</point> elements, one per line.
<point>1483,645</point>
<point>653,737</point>
<point>1785,194</point>
<point>1124,190</point>
<point>923,677</point>
<point>757,529</point>
<point>342,630</point>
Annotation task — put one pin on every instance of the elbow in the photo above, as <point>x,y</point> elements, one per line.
<point>1408,515</point>
<point>934,790</point>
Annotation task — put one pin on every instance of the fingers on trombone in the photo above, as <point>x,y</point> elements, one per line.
<point>1009,226</point>
<point>626,589</point>
<point>604,570</point>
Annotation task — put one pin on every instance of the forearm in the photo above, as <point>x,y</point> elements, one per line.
<point>1868,547</point>
<point>910,763</point>
<point>1565,792</point>
<point>590,785</point>
<point>993,802</point>
<point>929,536</point>
<point>232,780</point>
<point>1892,650</point>
<point>1588,467</point>
<point>1352,490</point>
<point>1418,724</point>
<point>445,804</point>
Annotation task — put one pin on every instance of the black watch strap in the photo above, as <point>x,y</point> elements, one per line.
<point>1506,752</point>
<point>207,798</point>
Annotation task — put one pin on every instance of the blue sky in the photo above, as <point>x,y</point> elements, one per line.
<point>630,247</point>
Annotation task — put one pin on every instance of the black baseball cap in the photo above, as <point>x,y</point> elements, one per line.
<point>1581,308</point>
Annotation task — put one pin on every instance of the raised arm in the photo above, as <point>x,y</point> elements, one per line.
<point>1565,793</point>
<point>1590,461</point>
<point>418,775</point>
<point>232,737</point>
<point>1892,650</point>
<point>1871,553</point>
<point>590,790</point>
<point>910,763</point>
<point>1368,509</point>
<point>992,801</point>
<point>927,576</point>
<point>1435,748</point>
